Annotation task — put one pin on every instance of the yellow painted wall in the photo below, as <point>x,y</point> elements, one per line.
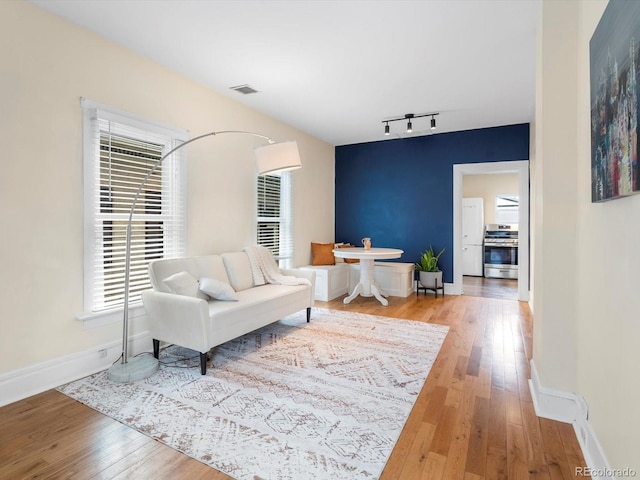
<point>47,65</point>
<point>488,187</point>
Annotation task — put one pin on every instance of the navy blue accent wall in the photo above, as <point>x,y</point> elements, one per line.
<point>400,192</point>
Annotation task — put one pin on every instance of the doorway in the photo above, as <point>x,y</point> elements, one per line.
<point>521,169</point>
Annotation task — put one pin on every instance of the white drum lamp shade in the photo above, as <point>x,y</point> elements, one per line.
<point>277,157</point>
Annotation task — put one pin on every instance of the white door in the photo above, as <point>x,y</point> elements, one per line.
<point>472,221</point>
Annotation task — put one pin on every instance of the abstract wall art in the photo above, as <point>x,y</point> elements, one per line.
<point>614,68</point>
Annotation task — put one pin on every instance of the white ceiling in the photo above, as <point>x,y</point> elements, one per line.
<point>337,69</point>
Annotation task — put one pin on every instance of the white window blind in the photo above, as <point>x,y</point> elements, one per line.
<point>119,151</point>
<point>274,222</point>
<point>507,208</point>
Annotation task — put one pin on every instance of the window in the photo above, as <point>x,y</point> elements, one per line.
<point>507,208</point>
<point>119,151</point>
<point>274,222</point>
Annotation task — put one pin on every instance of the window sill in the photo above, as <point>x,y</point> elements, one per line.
<point>95,320</point>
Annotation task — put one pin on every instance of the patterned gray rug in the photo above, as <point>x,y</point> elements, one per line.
<point>293,400</point>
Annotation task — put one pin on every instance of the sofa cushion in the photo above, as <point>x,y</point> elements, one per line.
<point>258,301</point>
<point>183,283</point>
<point>238,269</point>
<point>164,268</point>
<point>211,266</point>
<point>217,289</point>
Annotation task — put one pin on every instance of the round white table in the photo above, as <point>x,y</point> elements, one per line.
<point>366,287</point>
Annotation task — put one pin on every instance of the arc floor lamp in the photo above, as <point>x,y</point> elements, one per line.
<point>271,158</point>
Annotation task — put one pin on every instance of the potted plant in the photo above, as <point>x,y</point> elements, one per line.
<point>430,274</point>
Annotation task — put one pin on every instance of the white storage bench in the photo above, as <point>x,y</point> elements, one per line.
<point>332,281</point>
<point>394,278</point>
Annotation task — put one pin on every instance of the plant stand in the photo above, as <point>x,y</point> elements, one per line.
<point>434,289</point>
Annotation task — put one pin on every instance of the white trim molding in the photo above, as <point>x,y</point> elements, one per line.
<point>571,408</point>
<point>25,382</point>
<point>521,168</point>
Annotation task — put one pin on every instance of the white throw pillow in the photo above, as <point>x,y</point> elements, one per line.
<point>218,289</point>
<point>182,283</point>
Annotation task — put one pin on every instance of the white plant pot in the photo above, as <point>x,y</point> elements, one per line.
<point>431,279</point>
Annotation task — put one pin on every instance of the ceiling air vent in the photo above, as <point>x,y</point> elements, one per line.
<point>244,89</point>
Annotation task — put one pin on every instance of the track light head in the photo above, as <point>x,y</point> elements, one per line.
<point>409,119</point>
<point>409,116</point>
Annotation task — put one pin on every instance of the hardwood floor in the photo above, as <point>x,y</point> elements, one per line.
<point>504,288</point>
<point>473,420</point>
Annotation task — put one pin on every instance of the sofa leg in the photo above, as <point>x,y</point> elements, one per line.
<point>156,348</point>
<point>308,314</point>
<point>203,363</point>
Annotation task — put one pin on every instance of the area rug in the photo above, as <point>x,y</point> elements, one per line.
<point>293,400</point>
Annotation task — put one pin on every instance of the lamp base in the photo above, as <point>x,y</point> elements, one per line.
<point>136,368</point>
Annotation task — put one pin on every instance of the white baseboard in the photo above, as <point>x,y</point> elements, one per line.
<point>25,382</point>
<point>571,408</point>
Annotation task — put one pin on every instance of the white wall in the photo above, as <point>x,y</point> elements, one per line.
<point>587,275</point>
<point>488,187</point>
<point>47,65</point>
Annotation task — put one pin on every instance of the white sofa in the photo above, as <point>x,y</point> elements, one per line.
<point>200,324</point>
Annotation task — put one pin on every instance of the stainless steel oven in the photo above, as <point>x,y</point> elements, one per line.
<point>501,251</point>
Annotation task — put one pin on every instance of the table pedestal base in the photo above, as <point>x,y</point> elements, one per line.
<point>366,287</point>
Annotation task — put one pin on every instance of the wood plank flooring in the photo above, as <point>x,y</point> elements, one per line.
<point>473,420</point>
<point>504,288</point>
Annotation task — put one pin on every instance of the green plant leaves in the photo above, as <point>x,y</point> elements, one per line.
<point>429,260</point>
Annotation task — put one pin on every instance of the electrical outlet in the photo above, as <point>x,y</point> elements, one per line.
<point>102,353</point>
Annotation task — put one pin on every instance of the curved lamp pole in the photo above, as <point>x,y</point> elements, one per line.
<point>272,158</point>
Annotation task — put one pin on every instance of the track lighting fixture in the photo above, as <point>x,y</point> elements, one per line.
<point>409,118</point>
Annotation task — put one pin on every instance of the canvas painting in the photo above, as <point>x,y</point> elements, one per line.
<point>614,56</point>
